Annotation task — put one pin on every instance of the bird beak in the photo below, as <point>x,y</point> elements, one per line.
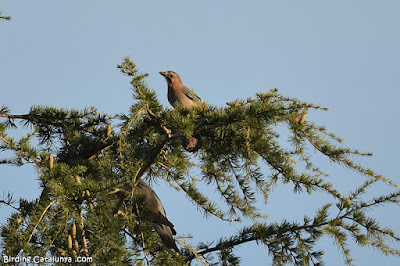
<point>162,73</point>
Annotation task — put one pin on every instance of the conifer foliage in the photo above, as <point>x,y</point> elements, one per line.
<point>88,165</point>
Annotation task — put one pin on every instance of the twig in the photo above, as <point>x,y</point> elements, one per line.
<point>16,116</point>
<point>194,252</point>
<point>141,234</point>
<point>41,217</point>
<point>9,200</point>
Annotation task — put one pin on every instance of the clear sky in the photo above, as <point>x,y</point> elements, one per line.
<point>340,54</point>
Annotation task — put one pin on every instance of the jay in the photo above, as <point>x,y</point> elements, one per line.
<point>160,222</point>
<point>180,94</point>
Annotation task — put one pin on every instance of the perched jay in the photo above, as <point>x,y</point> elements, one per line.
<point>160,222</point>
<point>179,93</point>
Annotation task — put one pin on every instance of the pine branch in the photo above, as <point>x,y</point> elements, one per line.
<point>9,201</point>
<point>195,253</point>
<point>4,17</point>
<point>22,151</point>
<point>41,217</point>
<point>337,155</point>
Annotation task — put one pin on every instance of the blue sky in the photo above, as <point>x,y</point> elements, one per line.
<point>343,55</point>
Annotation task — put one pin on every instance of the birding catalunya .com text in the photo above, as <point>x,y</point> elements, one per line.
<point>39,259</point>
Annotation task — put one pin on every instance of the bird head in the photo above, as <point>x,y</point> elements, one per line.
<point>172,78</point>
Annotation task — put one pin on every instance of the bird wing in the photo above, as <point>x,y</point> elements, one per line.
<point>153,202</point>
<point>191,95</point>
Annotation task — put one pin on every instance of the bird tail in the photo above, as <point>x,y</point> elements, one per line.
<point>166,233</point>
